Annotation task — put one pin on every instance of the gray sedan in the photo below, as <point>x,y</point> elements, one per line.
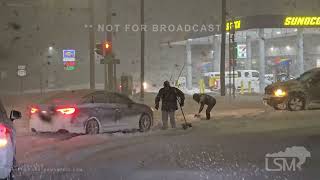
<point>89,112</point>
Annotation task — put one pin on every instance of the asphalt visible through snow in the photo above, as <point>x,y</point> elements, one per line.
<point>231,148</point>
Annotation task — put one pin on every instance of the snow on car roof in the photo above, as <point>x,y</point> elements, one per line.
<point>73,95</point>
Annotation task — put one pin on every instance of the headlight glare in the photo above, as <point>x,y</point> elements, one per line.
<point>280,93</point>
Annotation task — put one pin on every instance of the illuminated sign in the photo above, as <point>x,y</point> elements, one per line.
<point>69,55</point>
<point>69,65</point>
<point>69,59</point>
<point>302,21</point>
<point>241,51</point>
<point>237,25</point>
<point>282,61</point>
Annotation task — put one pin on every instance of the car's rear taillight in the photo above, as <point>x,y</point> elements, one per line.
<point>67,111</point>
<point>3,136</point>
<point>3,130</point>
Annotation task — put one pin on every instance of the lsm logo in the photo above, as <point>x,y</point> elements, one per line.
<point>291,159</point>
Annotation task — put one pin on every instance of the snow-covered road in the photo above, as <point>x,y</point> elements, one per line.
<point>231,146</point>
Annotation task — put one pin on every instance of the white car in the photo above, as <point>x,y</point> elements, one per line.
<point>7,143</point>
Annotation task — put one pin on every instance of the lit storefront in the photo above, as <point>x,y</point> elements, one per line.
<point>261,41</point>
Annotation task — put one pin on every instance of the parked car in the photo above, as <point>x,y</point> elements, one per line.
<point>89,112</point>
<point>297,94</point>
<point>7,142</point>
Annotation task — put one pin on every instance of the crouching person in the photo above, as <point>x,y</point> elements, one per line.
<point>169,97</point>
<point>204,99</point>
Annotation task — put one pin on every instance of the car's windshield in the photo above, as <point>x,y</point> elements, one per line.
<point>120,98</point>
<point>305,76</point>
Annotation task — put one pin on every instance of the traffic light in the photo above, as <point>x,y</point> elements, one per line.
<point>104,49</point>
<point>107,48</point>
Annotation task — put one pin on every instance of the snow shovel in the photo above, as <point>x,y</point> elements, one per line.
<point>185,125</point>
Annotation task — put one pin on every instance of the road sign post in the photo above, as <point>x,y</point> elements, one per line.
<point>21,72</point>
<point>110,62</point>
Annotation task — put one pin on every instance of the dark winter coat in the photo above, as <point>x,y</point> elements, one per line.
<point>169,97</point>
<point>204,99</point>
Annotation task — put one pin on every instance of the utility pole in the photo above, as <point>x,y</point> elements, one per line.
<point>142,49</point>
<point>232,32</point>
<point>92,45</point>
<point>108,72</point>
<point>230,63</point>
<point>223,49</point>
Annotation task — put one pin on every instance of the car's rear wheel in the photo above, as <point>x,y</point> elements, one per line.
<point>92,127</point>
<point>145,123</point>
<point>296,103</point>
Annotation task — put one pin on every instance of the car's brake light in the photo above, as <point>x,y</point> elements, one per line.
<point>3,136</point>
<point>3,130</point>
<point>34,110</point>
<point>67,111</point>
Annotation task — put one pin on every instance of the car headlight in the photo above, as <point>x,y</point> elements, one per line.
<point>280,93</point>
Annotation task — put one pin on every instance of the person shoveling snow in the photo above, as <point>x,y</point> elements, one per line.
<point>169,96</point>
<point>204,99</point>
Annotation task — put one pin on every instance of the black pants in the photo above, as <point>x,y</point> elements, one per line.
<point>209,108</point>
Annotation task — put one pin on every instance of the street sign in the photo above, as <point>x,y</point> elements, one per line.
<point>22,72</point>
<point>110,61</point>
<point>98,58</point>
<point>21,66</point>
<point>241,51</point>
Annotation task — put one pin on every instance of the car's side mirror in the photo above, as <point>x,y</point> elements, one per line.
<point>15,115</point>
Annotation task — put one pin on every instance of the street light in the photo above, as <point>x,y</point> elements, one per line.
<point>50,48</point>
<point>288,48</point>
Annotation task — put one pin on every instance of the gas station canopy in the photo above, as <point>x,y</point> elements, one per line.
<point>265,22</point>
